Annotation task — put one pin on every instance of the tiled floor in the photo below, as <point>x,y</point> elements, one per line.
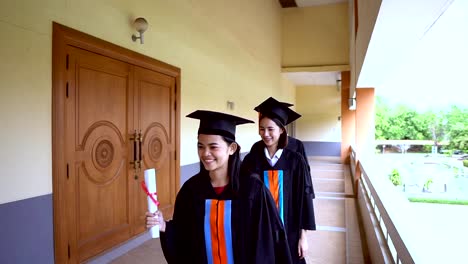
<point>326,245</point>
<point>148,252</point>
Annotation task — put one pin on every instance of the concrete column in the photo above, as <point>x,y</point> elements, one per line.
<point>348,119</point>
<point>365,121</point>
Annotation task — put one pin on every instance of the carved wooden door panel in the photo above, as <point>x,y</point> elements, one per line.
<point>99,120</point>
<point>154,118</point>
<point>114,114</point>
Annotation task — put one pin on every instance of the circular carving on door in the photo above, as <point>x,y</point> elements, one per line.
<point>104,153</point>
<point>155,148</point>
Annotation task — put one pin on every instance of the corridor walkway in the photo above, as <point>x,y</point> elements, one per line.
<point>336,240</point>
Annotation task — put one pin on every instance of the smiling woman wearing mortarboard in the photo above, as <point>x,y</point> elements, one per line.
<point>294,144</point>
<point>217,218</point>
<point>285,173</point>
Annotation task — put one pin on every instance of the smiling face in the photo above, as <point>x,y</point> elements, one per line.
<point>270,132</point>
<point>214,152</point>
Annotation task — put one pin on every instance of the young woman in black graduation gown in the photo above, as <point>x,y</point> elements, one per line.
<point>285,173</point>
<point>219,218</point>
<point>294,144</point>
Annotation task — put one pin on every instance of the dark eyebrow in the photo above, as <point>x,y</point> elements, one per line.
<point>209,144</point>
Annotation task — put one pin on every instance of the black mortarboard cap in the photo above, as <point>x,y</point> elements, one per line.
<point>272,108</point>
<point>216,123</point>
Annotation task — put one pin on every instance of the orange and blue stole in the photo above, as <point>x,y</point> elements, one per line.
<point>218,236</point>
<point>273,180</point>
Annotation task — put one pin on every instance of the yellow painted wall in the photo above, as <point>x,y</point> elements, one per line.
<point>320,107</point>
<point>315,36</point>
<point>227,50</point>
<point>288,93</point>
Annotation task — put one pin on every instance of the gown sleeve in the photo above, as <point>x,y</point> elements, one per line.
<point>183,227</point>
<point>167,240</point>
<point>247,166</point>
<point>301,150</point>
<point>265,229</point>
<point>255,146</point>
<point>308,215</point>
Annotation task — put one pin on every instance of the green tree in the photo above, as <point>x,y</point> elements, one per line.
<point>382,116</point>
<point>436,126</point>
<point>395,178</point>
<point>457,126</point>
<point>403,122</point>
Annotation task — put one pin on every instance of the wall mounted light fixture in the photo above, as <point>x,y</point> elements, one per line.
<point>230,105</point>
<point>338,85</point>
<point>141,25</point>
<point>338,81</point>
<point>352,103</point>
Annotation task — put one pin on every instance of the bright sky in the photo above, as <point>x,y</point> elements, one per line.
<point>435,73</point>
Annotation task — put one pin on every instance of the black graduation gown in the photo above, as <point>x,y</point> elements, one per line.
<point>296,205</point>
<point>294,144</point>
<point>257,233</point>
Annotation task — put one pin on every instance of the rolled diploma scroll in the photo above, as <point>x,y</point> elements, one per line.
<point>150,181</point>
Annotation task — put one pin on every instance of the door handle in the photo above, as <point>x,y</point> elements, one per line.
<point>140,140</point>
<point>134,138</point>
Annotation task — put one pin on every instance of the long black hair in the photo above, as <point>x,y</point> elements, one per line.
<point>234,164</point>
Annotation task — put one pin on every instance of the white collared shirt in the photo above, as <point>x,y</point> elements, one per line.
<point>275,158</point>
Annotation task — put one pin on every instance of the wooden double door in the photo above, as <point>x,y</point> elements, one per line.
<point>118,120</point>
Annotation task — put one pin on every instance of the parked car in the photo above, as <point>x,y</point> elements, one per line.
<point>464,157</point>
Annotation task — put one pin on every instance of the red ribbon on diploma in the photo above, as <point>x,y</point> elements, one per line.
<point>151,195</point>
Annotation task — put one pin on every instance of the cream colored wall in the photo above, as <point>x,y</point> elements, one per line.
<point>227,50</point>
<point>320,107</point>
<point>288,93</point>
<point>315,36</point>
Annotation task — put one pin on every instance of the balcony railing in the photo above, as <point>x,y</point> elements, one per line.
<point>384,243</point>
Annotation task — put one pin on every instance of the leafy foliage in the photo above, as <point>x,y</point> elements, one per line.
<point>395,178</point>
<point>428,184</point>
<point>403,122</point>
<point>457,123</point>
